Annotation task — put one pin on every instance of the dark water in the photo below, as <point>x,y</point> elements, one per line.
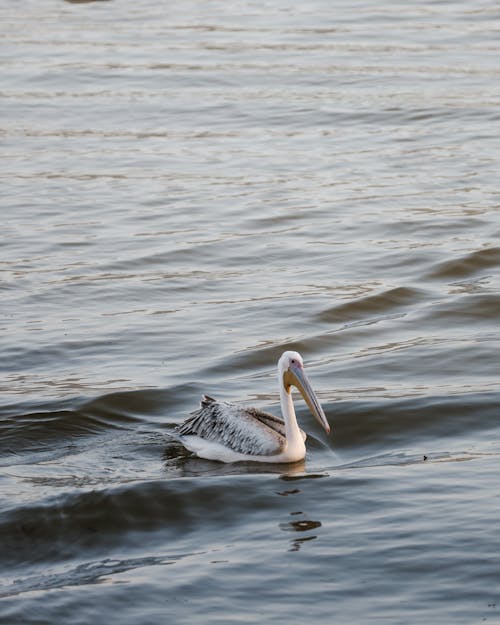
<point>189,189</point>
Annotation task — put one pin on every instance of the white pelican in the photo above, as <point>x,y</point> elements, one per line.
<point>231,433</point>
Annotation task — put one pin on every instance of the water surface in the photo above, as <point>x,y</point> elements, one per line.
<point>186,192</point>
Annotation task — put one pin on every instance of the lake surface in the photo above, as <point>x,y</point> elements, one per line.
<point>186,191</point>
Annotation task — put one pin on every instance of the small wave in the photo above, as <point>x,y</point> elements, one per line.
<point>403,458</point>
<point>399,424</point>
<point>47,430</point>
<point>42,431</point>
<point>468,265</point>
<point>84,574</point>
<point>380,303</point>
<point>83,1</point>
<point>60,528</point>
<point>476,306</point>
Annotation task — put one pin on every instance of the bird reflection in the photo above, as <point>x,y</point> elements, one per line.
<point>297,543</point>
<point>178,461</point>
<point>302,525</point>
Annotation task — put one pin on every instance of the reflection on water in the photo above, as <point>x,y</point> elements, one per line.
<point>85,574</point>
<point>298,542</point>
<point>302,525</point>
<point>189,190</point>
<point>178,461</point>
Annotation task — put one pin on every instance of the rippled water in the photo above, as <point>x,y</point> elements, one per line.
<point>187,190</point>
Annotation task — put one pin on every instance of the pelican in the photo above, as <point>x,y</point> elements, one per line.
<point>230,433</point>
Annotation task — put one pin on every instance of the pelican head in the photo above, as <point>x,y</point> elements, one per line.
<point>291,373</point>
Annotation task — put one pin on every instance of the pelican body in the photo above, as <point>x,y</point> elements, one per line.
<point>230,433</point>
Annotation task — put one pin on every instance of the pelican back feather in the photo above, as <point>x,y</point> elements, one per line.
<point>244,430</point>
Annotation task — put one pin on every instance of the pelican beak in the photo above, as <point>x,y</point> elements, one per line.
<point>295,375</point>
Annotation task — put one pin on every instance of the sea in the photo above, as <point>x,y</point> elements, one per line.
<point>186,191</point>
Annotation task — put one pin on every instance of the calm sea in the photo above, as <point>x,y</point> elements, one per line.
<point>188,189</point>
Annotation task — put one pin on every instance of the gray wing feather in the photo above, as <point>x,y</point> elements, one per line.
<point>245,430</point>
